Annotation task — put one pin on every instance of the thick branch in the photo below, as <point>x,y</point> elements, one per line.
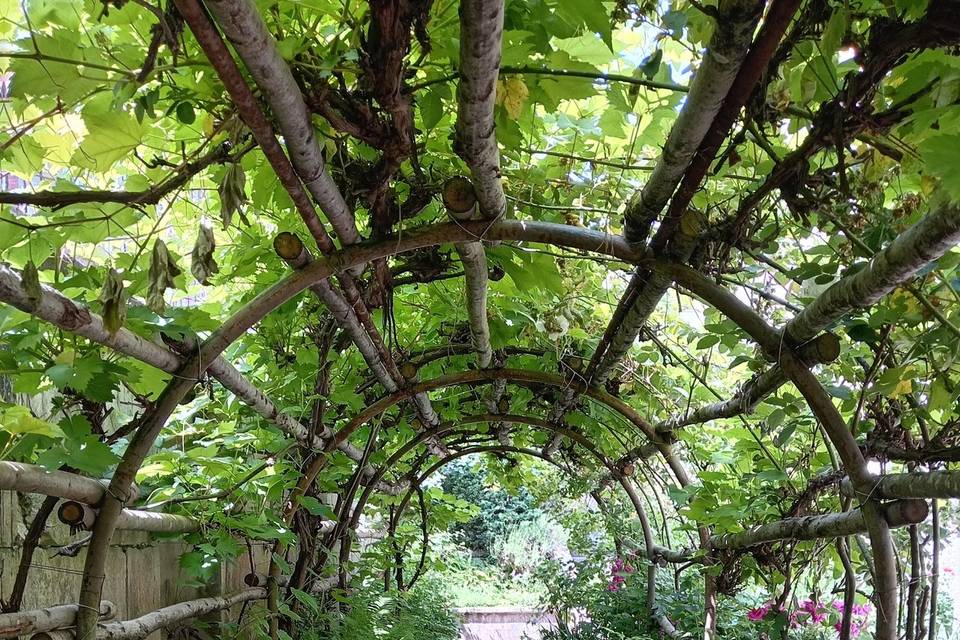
<point>481,31</point>
<point>29,478</point>
<point>474,260</point>
<point>727,49</point>
<point>22,623</point>
<point>153,195</point>
<point>834,525</point>
<point>83,516</point>
<point>928,239</point>
<point>928,484</point>
<point>775,24</point>
<point>244,27</point>
<point>171,616</point>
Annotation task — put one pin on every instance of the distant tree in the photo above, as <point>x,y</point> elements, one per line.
<point>499,510</point>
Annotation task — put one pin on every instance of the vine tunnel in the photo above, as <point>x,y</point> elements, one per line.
<point>330,350</point>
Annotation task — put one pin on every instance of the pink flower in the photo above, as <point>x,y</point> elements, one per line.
<point>758,614</point>
<point>855,628</point>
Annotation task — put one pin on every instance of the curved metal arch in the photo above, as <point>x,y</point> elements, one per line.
<point>447,428</point>
<point>453,425</point>
<point>251,313</point>
<point>821,405</point>
<point>522,377</point>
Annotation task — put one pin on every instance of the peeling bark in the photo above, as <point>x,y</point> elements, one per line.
<point>481,31</point>
<point>29,478</point>
<point>171,616</point>
<point>930,484</point>
<point>474,260</point>
<point>83,517</point>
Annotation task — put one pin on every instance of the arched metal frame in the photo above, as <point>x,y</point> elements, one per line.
<point>561,235</point>
<point>450,427</point>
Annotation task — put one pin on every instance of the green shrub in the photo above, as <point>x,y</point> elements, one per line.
<point>370,614</point>
<point>499,511</point>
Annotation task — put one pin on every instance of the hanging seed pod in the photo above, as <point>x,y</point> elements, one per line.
<point>459,197</point>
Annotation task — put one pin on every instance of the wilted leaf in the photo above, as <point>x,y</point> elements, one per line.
<point>232,194</point>
<point>114,302</point>
<point>202,264</point>
<point>31,283</point>
<point>162,272</point>
<point>512,94</point>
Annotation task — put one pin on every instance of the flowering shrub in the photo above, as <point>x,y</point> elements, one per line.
<point>619,571</point>
<point>811,614</point>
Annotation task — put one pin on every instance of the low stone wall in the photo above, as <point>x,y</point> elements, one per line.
<point>503,623</point>
<point>143,572</point>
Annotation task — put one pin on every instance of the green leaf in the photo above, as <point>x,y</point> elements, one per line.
<point>110,138</point>
<point>783,437</point>
<point>82,449</point>
<point>941,158</point>
<point>19,421</point>
<point>316,508</point>
<point>833,33</point>
<point>595,17</point>
<point>431,108</point>
<point>185,113</point>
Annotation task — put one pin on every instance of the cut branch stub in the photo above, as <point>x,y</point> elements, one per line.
<point>76,515</point>
<point>83,517</point>
<point>459,197</point>
<point>823,349</point>
<point>409,371</point>
<point>255,579</point>
<point>291,250</point>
